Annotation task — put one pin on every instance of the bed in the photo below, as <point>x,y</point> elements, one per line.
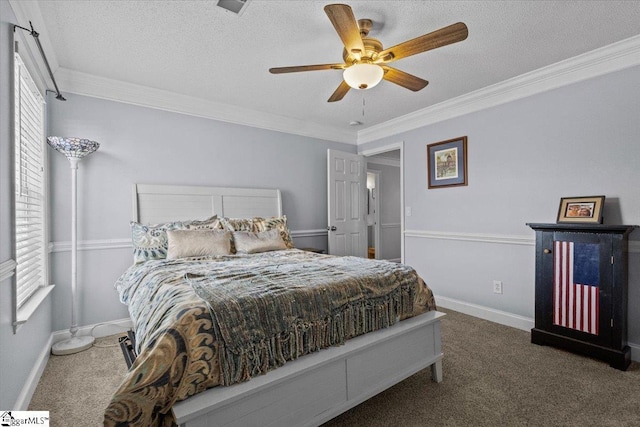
<point>194,367</point>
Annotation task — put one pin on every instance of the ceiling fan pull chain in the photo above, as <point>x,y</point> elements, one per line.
<point>363,105</point>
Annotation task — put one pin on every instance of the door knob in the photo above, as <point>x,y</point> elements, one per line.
<point>547,251</point>
<point>332,228</point>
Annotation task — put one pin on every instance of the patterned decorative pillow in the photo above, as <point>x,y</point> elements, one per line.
<point>248,242</point>
<point>198,243</point>
<point>239,224</point>
<point>212,223</point>
<point>279,223</point>
<point>150,241</point>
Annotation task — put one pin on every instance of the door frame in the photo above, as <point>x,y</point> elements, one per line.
<point>384,149</point>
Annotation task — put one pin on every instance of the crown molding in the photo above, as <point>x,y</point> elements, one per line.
<point>114,90</point>
<point>608,59</point>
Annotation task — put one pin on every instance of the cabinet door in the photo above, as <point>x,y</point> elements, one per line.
<point>575,299</point>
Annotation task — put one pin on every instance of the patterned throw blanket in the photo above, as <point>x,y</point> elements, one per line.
<point>266,313</point>
<point>180,338</point>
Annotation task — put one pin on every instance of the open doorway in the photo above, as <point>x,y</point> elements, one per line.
<point>373,214</point>
<point>385,219</point>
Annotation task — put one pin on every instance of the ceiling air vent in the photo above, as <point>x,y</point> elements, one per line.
<point>236,6</point>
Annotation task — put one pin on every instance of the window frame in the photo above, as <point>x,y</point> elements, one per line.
<point>22,79</point>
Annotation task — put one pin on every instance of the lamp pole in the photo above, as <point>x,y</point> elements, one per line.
<point>74,149</point>
<point>74,243</point>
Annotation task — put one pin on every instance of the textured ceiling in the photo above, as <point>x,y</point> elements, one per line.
<point>198,49</point>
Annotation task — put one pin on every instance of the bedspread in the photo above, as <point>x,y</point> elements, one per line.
<point>186,343</point>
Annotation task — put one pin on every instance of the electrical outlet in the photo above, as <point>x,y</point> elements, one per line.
<point>497,287</point>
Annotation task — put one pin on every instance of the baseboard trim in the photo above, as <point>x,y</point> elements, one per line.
<point>24,398</point>
<point>486,313</point>
<point>635,352</point>
<point>504,318</point>
<point>109,328</point>
<point>97,330</point>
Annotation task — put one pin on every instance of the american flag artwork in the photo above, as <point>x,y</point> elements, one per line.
<point>575,286</point>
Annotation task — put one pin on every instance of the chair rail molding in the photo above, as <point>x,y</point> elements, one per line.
<point>100,244</point>
<point>309,233</point>
<point>472,237</point>
<point>7,269</point>
<point>91,245</point>
<point>390,225</point>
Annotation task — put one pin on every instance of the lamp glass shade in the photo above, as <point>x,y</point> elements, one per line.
<point>363,76</point>
<point>72,147</point>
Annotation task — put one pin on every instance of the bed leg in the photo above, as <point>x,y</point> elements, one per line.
<point>436,371</point>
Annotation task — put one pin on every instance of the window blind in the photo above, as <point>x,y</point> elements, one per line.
<point>31,264</point>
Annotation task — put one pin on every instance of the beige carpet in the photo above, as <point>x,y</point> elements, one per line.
<point>493,376</point>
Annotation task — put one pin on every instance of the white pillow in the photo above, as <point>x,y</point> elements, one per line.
<point>248,242</point>
<point>197,243</point>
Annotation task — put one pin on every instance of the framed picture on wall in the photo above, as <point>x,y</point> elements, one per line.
<point>581,210</point>
<point>447,163</point>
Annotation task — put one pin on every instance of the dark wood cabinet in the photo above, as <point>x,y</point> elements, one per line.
<point>581,290</point>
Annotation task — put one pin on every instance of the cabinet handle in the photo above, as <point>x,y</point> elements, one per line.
<point>547,251</point>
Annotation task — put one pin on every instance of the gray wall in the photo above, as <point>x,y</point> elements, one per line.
<point>144,145</point>
<point>18,352</point>
<point>578,140</point>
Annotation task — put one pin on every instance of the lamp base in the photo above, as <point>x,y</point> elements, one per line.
<point>72,345</point>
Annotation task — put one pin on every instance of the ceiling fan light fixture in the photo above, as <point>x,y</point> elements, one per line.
<point>363,76</point>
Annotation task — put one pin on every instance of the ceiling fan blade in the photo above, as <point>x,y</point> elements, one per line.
<point>343,20</point>
<point>452,34</point>
<point>295,69</point>
<point>403,79</point>
<point>340,92</point>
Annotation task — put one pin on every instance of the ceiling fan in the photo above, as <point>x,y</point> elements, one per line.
<point>365,60</point>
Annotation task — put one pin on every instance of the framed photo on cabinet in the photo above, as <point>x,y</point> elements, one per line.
<point>447,163</point>
<point>582,210</point>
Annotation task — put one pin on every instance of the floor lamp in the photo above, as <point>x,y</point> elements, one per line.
<point>74,149</point>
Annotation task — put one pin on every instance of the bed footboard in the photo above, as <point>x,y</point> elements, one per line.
<point>317,387</point>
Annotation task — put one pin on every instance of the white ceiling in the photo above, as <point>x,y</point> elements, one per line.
<point>197,49</point>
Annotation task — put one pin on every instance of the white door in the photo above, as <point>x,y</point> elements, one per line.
<point>347,189</point>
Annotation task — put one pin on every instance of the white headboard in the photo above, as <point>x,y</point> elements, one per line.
<point>154,204</point>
